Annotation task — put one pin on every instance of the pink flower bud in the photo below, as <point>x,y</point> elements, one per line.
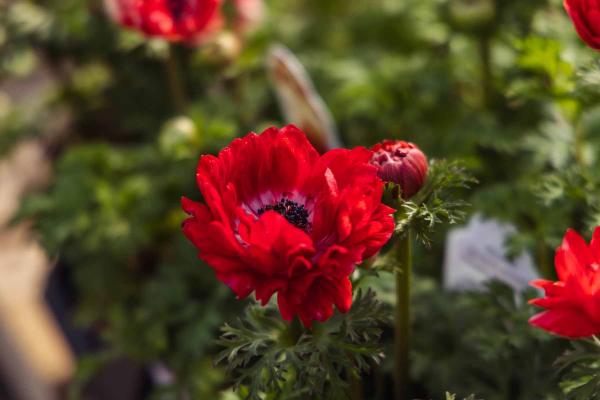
<point>402,163</point>
<point>249,15</point>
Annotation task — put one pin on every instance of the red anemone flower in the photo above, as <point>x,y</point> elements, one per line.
<point>174,20</point>
<point>279,218</point>
<point>572,303</point>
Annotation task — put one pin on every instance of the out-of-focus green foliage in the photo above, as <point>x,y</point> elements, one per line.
<point>504,85</point>
<point>487,341</point>
<point>453,397</point>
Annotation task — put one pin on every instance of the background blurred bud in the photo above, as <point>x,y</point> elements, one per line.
<point>472,15</point>
<point>224,48</point>
<point>300,102</point>
<point>402,163</point>
<point>179,138</point>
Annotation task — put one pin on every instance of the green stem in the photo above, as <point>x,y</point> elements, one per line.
<point>175,82</point>
<point>544,263</point>
<point>485,55</point>
<point>579,144</point>
<point>356,388</point>
<point>402,331</point>
<point>379,383</point>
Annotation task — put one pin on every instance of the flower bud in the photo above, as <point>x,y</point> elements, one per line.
<point>402,163</point>
<point>224,48</point>
<point>249,15</point>
<point>179,138</point>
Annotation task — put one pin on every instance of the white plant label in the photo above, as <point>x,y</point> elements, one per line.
<point>300,102</point>
<point>475,254</point>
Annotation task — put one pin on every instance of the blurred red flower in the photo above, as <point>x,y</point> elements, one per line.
<point>586,18</point>
<point>279,218</point>
<point>402,163</point>
<point>572,303</point>
<point>187,21</point>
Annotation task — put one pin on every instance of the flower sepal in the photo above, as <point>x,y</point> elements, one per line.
<point>438,202</point>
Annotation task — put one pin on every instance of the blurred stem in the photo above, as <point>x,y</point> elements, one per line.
<point>579,144</point>
<point>379,381</point>
<point>356,389</point>
<point>544,263</point>
<point>175,81</point>
<point>402,331</point>
<point>485,55</point>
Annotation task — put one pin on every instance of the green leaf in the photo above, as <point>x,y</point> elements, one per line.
<point>265,355</point>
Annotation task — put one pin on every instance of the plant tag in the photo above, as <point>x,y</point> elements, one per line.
<point>299,101</point>
<point>475,254</point>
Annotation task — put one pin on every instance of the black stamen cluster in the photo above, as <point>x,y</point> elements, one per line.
<point>295,213</point>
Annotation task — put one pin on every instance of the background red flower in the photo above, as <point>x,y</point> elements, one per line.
<point>175,20</point>
<point>572,303</point>
<point>279,218</point>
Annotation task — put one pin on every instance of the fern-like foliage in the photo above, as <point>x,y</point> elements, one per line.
<point>450,396</point>
<point>437,202</point>
<point>581,370</point>
<point>264,354</point>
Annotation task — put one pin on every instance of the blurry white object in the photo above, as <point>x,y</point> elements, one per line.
<point>299,101</point>
<point>475,254</point>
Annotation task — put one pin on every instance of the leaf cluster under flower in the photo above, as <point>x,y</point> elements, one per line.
<point>264,354</point>
<point>437,202</point>
<point>580,369</point>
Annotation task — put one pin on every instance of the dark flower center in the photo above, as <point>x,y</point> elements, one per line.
<point>295,213</point>
<point>176,7</point>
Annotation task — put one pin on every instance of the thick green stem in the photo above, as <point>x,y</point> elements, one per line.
<point>356,388</point>
<point>175,82</point>
<point>402,332</point>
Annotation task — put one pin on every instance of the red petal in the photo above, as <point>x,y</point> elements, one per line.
<point>595,244</point>
<point>343,295</point>
<point>274,245</point>
<point>567,322</point>
<point>574,244</point>
<point>572,257</point>
<point>285,308</point>
<point>585,21</point>
<point>242,284</point>
<point>265,289</point>
<point>275,161</point>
